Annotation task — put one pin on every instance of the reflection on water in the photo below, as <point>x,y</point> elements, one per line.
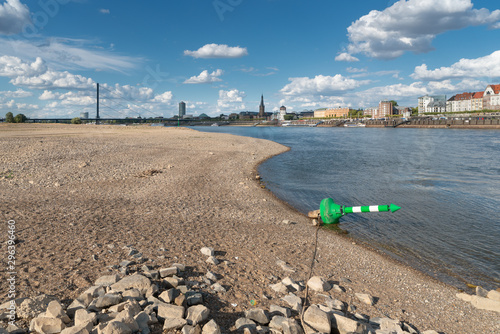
<point>446,181</point>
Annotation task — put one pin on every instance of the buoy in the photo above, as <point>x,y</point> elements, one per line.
<point>331,212</point>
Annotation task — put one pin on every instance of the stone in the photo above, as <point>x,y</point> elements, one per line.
<point>108,300</point>
<point>136,281</point>
<point>464,297</point>
<point>170,311</point>
<point>180,266</point>
<point>285,266</point>
<point>107,280</point>
<point>481,292</point>
<point>127,317</point>
<point>126,263</point>
<point>430,332</point>
<point>32,307</point>
<point>294,302</point>
<point>277,322</point>
<point>45,325</point>
<point>94,291</point>
<point>197,314</point>
<point>76,330</point>
<point>291,326</point>
<point>174,324</point>
<point>143,319</point>
<point>258,315</point>
<point>171,282</point>
<point>279,310</point>
<point>208,251</point>
<point>74,306</point>
<point>365,298</point>
<point>345,325</point>
<point>338,288</point>
<point>279,287</point>
<point>486,303</point>
<point>211,276</point>
<point>117,308</point>
<point>319,284</point>
<point>335,304</point>
<point>316,321</point>
<point>171,271</point>
<point>180,300</point>
<point>134,294</point>
<point>212,260</point>
<point>116,327</point>
<point>169,295</point>
<point>191,329</point>
<point>244,323</point>
<point>211,327</point>
<point>194,298</point>
<point>84,318</point>
<point>493,294</point>
<point>218,288</point>
<point>390,324</point>
<point>55,310</point>
<point>152,290</point>
<point>291,285</point>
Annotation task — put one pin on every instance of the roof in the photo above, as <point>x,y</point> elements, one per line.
<point>463,96</point>
<point>496,88</point>
<point>477,95</point>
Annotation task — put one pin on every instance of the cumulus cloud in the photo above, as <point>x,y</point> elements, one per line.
<point>104,11</point>
<point>230,101</point>
<point>19,93</point>
<point>344,56</point>
<point>321,85</point>
<point>411,25</point>
<point>217,51</point>
<point>13,17</point>
<point>205,77</point>
<point>488,67</point>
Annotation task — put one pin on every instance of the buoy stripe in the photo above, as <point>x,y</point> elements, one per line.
<point>371,208</point>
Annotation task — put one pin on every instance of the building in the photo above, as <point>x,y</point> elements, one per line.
<point>84,115</point>
<point>460,102</point>
<point>477,101</point>
<point>331,112</point>
<point>385,108</point>
<point>434,103</point>
<point>182,109</point>
<point>405,112</point>
<point>491,97</point>
<point>281,115</point>
<point>262,108</point>
<point>248,115</point>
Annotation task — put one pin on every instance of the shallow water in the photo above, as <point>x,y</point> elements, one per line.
<point>446,181</point>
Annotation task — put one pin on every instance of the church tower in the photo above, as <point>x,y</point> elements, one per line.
<point>262,108</point>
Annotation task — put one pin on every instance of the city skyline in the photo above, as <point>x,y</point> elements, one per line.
<point>220,56</point>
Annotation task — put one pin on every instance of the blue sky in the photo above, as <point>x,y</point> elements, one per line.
<point>220,55</point>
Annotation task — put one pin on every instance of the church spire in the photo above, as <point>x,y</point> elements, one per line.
<point>262,108</point>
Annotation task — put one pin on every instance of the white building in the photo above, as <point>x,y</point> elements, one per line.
<point>435,103</point>
<point>281,115</point>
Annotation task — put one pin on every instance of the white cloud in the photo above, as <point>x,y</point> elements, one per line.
<point>355,70</point>
<point>104,11</point>
<point>230,101</point>
<point>163,98</point>
<point>488,67</point>
<point>321,85</point>
<point>411,25</point>
<point>344,56</point>
<point>217,51</point>
<point>205,77</point>
<point>13,17</point>
<point>19,93</point>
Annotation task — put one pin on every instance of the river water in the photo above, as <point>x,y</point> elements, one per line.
<point>446,181</point>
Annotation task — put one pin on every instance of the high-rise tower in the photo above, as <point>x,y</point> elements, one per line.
<point>182,109</point>
<point>262,108</point>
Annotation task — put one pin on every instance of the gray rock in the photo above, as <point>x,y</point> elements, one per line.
<point>347,326</point>
<point>46,325</point>
<point>152,290</point>
<point>430,332</point>
<point>179,266</point>
<point>285,266</point>
<point>76,330</point>
<point>116,327</point>
<point>107,280</point>
<point>277,322</point>
<point>134,294</point>
<point>211,327</point>
<point>493,294</point>
<point>94,291</point>
<point>117,308</point>
<point>212,260</point>
<point>294,302</point>
<point>74,306</point>
<point>84,318</point>
<point>127,317</point>
<point>174,324</point>
<point>257,315</point>
<point>319,284</point>
<point>211,276</point>
<point>365,298</point>
<point>108,300</point>
<point>171,271</point>
<point>481,292</point>
<point>170,311</point>
<point>194,298</point>
<point>316,321</point>
<point>143,319</point>
<point>278,310</point>
<point>136,281</point>
<point>171,282</point>
<point>486,303</point>
<point>218,288</point>
<point>169,295</point>
<point>32,307</point>
<point>338,288</point>
<point>279,287</point>
<point>191,329</point>
<point>335,304</point>
<point>208,251</point>
<point>55,310</point>
<point>291,326</point>
<point>197,314</point>
<point>244,323</point>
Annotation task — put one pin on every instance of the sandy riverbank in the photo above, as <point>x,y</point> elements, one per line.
<point>78,192</point>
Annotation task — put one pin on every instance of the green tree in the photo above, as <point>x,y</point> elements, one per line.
<point>288,117</point>
<point>20,118</point>
<point>9,117</point>
<point>76,120</point>
<point>394,103</point>
<point>414,111</point>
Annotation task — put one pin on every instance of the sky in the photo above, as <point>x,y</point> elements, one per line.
<point>219,56</point>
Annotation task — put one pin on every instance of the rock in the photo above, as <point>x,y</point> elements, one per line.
<point>174,324</point>
<point>212,260</point>
<point>208,251</point>
<point>338,288</point>
<point>257,315</point>
<point>345,325</point>
<point>319,284</point>
<point>74,306</point>
<point>134,294</point>
<point>464,297</point>
<point>143,319</point>
<point>430,332</point>
<point>107,280</point>
<point>127,317</point>
<point>169,295</point>
<point>294,302</point>
<point>285,266</point>
<point>170,311</point>
<point>171,271</point>
<point>279,287</point>
<point>191,330</point>
<point>45,325</point>
<point>152,290</point>
<point>391,325</point>
<point>486,303</point>
<point>171,282</point>
<point>108,300</point>
<point>217,287</point>
<point>180,266</point>
<point>335,304</point>
<point>316,321</point>
<point>495,295</point>
<point>481,292</point>
<point>126,263</point>
<point>278,310</point>
<point>291,284</point>
<point>32,307</point>
<point>194,298</point>
<point>84,318</point>
<point>365,298</point>
<point>180,300</point>
<point>277,322</point>
<point>211,276</point>
<point>76,330</point>
<point>291,326</point>
<point>116,327</point>
<point>55,310</point>
<point>136,281</point>
<point>197,314</point>
<point>244,323</point>
<point>211,327</point>
<point>94,291</point>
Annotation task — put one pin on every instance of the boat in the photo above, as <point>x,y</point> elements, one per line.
<point>354,125</point>
<point>215,124</point>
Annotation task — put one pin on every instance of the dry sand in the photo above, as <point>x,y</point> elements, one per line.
<point>81,191</point>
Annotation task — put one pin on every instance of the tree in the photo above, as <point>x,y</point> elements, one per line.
<point>76,120</point>
<point>394,103</point>
<point>288,117</point>
<point>20,118</point>
<point>9,117</point>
